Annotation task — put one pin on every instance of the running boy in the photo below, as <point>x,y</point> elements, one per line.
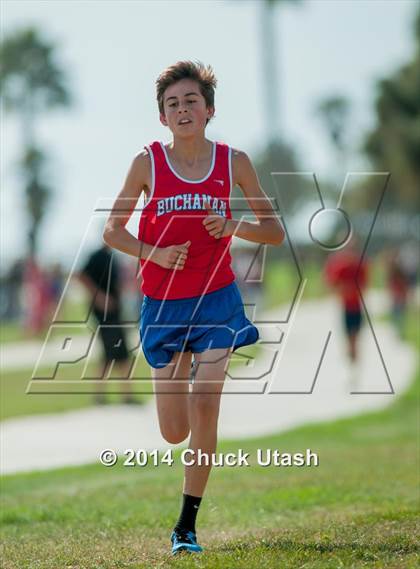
<point>192,305</point>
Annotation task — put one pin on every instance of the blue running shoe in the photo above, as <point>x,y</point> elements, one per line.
<point>184,540</point>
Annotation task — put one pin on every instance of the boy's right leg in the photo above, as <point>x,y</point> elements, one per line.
<point>171,386</point>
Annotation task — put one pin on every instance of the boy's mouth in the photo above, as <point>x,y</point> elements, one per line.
<point>184,121</point>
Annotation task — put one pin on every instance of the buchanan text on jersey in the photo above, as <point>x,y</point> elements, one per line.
<point>182,202</point>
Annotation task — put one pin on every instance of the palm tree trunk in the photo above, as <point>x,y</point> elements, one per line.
<point>27,122</point>
<point>270,70</point>
<point>28,143</point>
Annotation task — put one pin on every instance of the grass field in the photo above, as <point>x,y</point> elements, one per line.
<point>16,402</point>
<point>71,311</point>
<point>358,508</point>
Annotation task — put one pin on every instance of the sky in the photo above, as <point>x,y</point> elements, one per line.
<point>114,51</point>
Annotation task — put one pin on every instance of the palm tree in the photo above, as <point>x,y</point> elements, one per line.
<point>394,143</point>
<point>269,59</point>
<point>335,111</point>
<point>32,83</point>
<point>37,192</point>
<point>270,52</point>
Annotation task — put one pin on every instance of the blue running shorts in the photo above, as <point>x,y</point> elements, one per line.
<point>214,320</point>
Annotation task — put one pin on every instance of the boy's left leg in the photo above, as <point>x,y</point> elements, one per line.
<point>204,405</point>
<point>203,410</point>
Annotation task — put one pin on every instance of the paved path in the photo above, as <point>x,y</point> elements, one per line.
<point>24,355</point>
<point>292,396</point>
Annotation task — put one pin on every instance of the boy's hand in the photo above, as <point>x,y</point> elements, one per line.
<point>217,225</point>
<point>172,257</point>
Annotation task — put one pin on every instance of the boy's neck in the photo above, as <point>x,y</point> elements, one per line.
<point>190,151</point>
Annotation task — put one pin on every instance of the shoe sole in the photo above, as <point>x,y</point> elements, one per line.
<point>183,548</point>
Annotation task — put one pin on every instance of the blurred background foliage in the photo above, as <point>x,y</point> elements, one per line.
<point>394,143</point>
<point>32,84</point>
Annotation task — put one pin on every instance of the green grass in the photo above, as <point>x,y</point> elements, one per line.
<point>13,332</point>
<point>281,281</point>
<point>71,311</point>
<point>359,508</point>
<point>15,401</point>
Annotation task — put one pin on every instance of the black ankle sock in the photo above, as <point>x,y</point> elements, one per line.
<point>189,512</point>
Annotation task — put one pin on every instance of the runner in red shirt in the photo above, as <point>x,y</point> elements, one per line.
<point>347,274</point>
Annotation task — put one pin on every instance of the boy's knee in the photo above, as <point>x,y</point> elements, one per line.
<point>204,408</point>
<point>174,434</point>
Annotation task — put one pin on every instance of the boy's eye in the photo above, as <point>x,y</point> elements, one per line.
<point>175,103</point>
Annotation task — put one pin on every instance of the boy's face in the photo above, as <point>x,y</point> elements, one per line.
<point>185,111</point>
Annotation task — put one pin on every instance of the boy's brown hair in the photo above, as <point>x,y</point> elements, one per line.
<point>197,71</point>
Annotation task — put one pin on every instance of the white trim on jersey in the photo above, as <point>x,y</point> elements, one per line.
<point>172,169</point>
<point>152,189</point>
<point>230,170</point>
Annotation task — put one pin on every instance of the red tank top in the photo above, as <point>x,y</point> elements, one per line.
<point>173,214</point>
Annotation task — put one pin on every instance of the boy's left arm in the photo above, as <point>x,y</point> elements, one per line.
<point>268,228</point>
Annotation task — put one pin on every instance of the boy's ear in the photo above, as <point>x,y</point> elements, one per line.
<point>163,119</point>
<point>210,112</point>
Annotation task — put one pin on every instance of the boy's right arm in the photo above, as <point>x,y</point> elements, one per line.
<point>116,235</point>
